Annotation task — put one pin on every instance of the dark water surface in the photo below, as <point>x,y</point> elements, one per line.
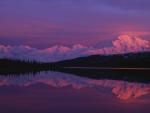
<point>55,92</point>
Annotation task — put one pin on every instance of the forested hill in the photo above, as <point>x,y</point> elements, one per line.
<point>141,60</point>
<point>131,60</point>
<point>119,60</point>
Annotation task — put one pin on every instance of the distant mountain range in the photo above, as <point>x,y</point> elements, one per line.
<point>124,44</point>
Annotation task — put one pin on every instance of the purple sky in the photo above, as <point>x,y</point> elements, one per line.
<point>42,23</point>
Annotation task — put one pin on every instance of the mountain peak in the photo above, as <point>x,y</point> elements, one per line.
<point>57,48</point>
<point>132,41</point>
<point>126,43</point>
<point>78,46</point>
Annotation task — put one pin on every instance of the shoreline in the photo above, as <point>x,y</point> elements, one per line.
<point>109,68</point>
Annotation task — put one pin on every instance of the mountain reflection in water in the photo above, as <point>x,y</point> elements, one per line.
<point>122,89</point>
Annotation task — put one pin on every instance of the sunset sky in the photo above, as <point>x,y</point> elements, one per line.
<point>43,23</point>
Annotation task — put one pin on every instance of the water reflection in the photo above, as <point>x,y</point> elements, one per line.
<point>123,90</point>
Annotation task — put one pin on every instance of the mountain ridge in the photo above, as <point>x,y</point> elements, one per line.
<point>129,60</point>
<point>124,44</point>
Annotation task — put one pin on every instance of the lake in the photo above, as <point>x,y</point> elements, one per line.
<point>57,92</point>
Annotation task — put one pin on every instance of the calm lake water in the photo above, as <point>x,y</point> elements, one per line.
<point>55,92</point>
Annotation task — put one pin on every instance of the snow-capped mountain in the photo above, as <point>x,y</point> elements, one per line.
<point>123,44</point>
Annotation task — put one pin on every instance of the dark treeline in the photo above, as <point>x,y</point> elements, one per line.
<point>8,66</point>
<point>136,60</point>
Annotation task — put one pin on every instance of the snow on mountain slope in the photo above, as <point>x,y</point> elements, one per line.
<point>127,44</point>
<point>123,44</point>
